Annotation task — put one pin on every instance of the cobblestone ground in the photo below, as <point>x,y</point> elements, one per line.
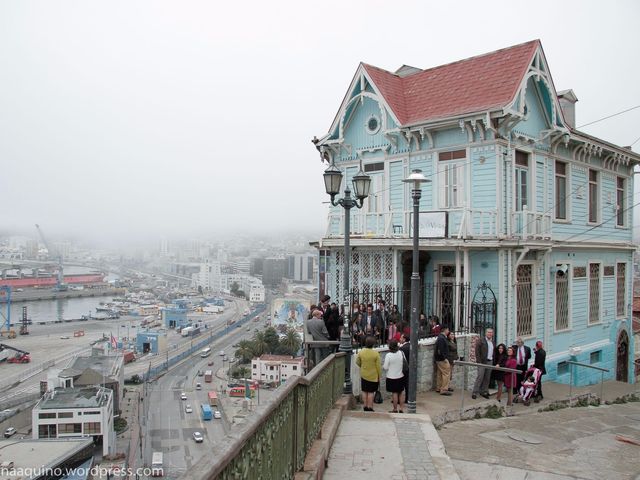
<point>416,458</point>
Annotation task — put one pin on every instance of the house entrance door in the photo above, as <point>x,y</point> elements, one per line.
<point>622,360</point>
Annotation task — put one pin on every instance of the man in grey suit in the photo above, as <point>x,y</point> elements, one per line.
<point>318,331</point>
<point>484,354</point>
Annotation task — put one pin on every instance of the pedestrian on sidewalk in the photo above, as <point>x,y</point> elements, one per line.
<point>393,362</point>
<point>499,360</point>
<point>453,351</point>
<point>441,358</point>
<point>370,371</point>
<point>484,355</point>
<point>523,355</point>
<point>510,379</point>
<point>405,347</point>
<point>539,362</point>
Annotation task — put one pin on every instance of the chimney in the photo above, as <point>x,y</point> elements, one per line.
<point>568,99</point>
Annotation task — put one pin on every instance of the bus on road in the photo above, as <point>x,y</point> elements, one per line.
<point>213,399</point>
<point>240,392</point>
<point>208,376</point>
<point>205,352</point>
<point>207,413</point>
<point>156,465</point>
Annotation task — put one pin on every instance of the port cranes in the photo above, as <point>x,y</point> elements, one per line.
<point>60,285</point>
<point>5,293</point>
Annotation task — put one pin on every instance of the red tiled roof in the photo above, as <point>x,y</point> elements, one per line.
<point>475,84</point>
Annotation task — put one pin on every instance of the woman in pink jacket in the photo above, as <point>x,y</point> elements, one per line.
<point>510,379</point>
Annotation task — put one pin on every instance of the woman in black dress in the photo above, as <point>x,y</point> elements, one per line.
<point>499,360</point>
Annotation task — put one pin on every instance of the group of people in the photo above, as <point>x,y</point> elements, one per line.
<point>526,384</point>
<point>396,366</point>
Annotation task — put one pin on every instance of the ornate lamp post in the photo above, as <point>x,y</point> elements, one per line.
<point>416,179</point>
<point>361,186</point>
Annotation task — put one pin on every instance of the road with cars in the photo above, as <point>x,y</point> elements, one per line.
<point>169,427</point>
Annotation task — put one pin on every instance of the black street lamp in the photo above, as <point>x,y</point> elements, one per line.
<point>416,179</point>
<point>361,186</point>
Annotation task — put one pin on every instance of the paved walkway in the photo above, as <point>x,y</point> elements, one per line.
<point>379,445</point>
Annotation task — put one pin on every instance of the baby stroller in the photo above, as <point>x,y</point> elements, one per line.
<point>529,385</point>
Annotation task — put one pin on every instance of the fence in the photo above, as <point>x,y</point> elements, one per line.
<point>512,371</point>
<point>154,372</point>
<point>450,304</point>
<point>577,364</point>
<point>276,442</point>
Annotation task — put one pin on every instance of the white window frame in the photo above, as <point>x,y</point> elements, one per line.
<point>569,275</point>
<point>533,300</point>
<point>598,184</point>
<point>623,204</point>
<point>601,272</point>
<point>624,286</point>
<point>517,188</point>
<point>567,200</point>
<point>451,193</point>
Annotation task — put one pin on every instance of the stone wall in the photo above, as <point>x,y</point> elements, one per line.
<point>426,367</point>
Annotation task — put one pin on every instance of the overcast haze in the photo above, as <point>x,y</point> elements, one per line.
<point>149,118</point>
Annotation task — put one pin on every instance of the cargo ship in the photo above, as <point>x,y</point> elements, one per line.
<point>43,280</point>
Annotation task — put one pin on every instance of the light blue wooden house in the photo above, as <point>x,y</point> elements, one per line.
<point>519,200</point>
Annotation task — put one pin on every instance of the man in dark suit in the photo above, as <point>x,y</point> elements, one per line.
<point>523,355</point>
<point>484,354</point>
<point>406,349</point>
<point>538,362</point>
<point>382,320</point>
<point>369,323</point>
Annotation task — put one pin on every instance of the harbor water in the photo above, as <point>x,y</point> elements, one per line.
<point>60,309</point>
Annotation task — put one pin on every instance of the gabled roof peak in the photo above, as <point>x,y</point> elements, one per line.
<point>474,84</point>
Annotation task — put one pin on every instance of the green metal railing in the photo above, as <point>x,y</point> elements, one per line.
<point>276,441</point>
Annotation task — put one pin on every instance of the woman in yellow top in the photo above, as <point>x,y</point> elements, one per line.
<point>370,369</point>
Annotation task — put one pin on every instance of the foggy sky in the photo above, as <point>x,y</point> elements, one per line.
<point>146,118</point>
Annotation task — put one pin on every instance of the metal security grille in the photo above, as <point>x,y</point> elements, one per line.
<point>371,271</point>
<point>524,323</point>
<point>621,282</point>
<point>562,300</point>
<point>594,292</point>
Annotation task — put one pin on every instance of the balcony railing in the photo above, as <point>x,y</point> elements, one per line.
<point>462,223</point>
<point>528,224</point>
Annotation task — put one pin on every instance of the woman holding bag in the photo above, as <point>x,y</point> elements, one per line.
<point>393,365</point>
<point>369,362</point>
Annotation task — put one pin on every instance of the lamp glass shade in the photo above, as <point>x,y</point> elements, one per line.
<point>416,177</point>
<point>361,185</point>
<point>332,180</point>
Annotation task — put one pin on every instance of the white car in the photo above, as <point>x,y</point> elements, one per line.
<point>197,436</point>
<point>188,409</point>
<point>183,396</point>
<point>64,337</point>
<point>10,432</point>
<point>217,414</point>
<point>221,353</point>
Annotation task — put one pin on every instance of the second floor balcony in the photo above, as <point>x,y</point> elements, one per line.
<point>461,223</point>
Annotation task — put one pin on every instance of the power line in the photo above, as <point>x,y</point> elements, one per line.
<point>609,116</point>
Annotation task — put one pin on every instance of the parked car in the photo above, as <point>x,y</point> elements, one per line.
<point>217,414</point>
<point>198,386</point>
<point>10,432</point>
<point>188,409</point>
<point>197,436</point>
<point>183,396</point>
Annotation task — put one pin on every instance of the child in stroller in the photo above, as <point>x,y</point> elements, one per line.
<point>529,385</point>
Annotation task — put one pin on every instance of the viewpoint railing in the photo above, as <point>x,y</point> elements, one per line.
<point>578,364</point>
<point>512,371</point>
<point>276,441</point>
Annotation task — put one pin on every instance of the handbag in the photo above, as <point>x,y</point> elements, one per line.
<point>377,398</point>
<point>405,365</point>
